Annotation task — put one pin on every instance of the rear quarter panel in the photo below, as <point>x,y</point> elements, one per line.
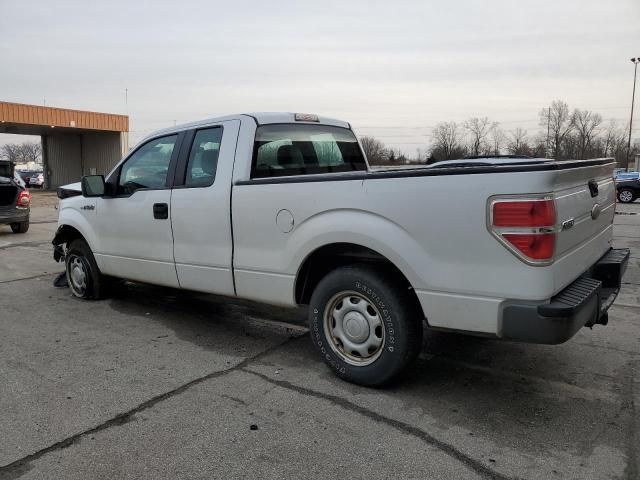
<point>433,228</point>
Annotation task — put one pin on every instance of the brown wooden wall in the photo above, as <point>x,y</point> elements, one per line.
<point>61,117</point>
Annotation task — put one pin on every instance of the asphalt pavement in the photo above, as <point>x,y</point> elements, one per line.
<point>159,383</point>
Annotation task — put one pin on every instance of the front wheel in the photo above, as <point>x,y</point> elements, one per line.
<point>625,195</point>
<point>365,323</point>
<point>83,275</point>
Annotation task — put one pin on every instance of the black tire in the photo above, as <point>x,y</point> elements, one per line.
<point>392,301</point>
<point>627,197</point>
<point>83,275</point>
<point>22,227</point>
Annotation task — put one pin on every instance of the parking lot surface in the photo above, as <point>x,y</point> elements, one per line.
<point>159,383</point>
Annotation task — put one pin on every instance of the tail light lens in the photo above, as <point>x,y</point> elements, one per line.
<point>525,213</point>
<point>24,198</point>
<point>526,227</point>
<point>536,246</point>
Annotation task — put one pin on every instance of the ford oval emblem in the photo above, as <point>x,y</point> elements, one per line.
<point>595,211</point>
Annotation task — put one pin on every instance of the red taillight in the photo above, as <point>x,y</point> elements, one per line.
<point>536,246</point>
<point>524,213</point>
<point>527,226</point>
<point>24,198</point>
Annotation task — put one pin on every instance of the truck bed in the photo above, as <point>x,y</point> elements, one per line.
<point>431,222</point>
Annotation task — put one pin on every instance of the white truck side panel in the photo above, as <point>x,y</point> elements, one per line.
<point>202,242</point>
<point>132,244</point>
<point>431,228</point>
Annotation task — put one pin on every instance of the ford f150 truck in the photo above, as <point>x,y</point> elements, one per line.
<point>283,208</point>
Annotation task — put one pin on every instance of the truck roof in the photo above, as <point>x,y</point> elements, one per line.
<point>261,118</point>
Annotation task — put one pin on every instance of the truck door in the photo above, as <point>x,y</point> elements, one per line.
<point>133,227</point>
<point>201,209</point>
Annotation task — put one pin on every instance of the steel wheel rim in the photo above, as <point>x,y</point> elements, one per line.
<point>77,275</point>
<point>354,327</point>
<point>625,196</point>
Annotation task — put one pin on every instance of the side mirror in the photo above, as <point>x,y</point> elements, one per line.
<point>93,186</point>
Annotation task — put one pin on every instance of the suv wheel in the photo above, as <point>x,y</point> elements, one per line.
<point>365,324</point>
<point>83,275</point>
<point>21,227</point>
<point>625,195</point>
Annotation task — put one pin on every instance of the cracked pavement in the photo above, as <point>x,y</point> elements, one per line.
<point>158,383</point>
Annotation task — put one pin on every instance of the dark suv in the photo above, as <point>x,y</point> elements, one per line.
<point>15,199</point>
<point>628,188</point>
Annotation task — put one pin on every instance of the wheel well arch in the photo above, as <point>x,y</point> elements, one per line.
<point>67,233</point>
<point>331,256</point>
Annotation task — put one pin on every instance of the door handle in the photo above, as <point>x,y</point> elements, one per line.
<point>160,211</point>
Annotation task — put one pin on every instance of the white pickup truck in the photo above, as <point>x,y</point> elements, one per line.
<point>282,208</point>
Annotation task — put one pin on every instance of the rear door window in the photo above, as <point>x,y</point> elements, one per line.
<point>301,149</point>
<point>203,158</point>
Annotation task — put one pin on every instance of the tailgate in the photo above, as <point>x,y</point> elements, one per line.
<point>585,205</point>
<point>585,208</point>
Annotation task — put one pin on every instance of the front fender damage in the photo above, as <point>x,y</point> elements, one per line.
<point>58,241</point>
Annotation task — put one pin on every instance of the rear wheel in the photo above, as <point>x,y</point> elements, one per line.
<point>365,324</point>
<point>625,195</point>
<point>83,275</point>
<point>21,227</point>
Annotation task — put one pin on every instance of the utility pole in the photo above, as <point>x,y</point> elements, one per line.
<point>125,144</point>
<point>548,131</point>
<point>633,97</point>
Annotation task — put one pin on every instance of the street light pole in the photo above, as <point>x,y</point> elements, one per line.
<point>633,97</point>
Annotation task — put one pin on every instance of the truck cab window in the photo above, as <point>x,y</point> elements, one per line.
<point>148,166</point>
<point>301,149</point>
<point>203,158</point>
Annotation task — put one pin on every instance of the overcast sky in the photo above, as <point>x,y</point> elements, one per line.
<point>380,65</point>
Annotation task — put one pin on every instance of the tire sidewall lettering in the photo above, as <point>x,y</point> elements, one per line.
<point>388,322</point>
<point>319,340</point>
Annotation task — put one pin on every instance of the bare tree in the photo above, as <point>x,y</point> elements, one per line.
<point>619,146</point>
<point>478,129</point>
<point>518,143</point>
<point>446,141</point>
<point>421,156</point>
<point>586,125</point>
<point>21,152</point>
<point>31,152</point>
<point>559,123</point>
<point>538,146</point>
<point>564,135</point>
<point>611,138</point>
<point>376,152</point>
<point>11,152</point>
<point>498,139</point>
<point>571,146</point>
